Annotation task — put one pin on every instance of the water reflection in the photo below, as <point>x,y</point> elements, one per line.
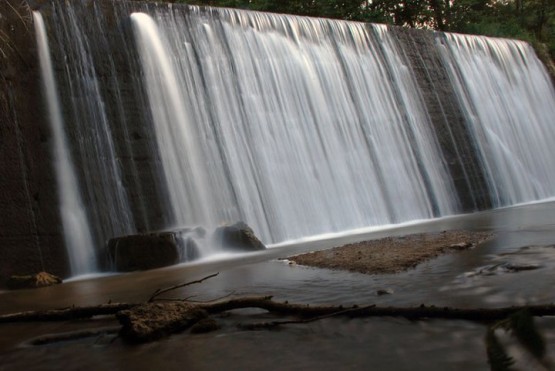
<point>475,278</point>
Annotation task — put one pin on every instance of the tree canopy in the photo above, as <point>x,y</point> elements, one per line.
<point>529,20</point>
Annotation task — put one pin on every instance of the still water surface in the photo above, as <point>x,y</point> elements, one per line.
<point>482,277</point>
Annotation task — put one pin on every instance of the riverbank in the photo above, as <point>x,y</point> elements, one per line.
<point>392,254</point>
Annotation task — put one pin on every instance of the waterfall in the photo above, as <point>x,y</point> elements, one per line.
<point>311,122</point>
<point>77,235</point>
<point>509,104</point>
<point>181,116</point>
<point>174,132</point>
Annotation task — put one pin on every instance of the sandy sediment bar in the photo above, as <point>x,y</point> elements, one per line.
<point>392,254</point>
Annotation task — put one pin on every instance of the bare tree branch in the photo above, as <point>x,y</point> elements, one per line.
<point>162,291</point>
<point>66,313</point>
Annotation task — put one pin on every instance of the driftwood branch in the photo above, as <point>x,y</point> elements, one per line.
<point>150,321</point>
<point>412,313</point>
<point>65,313</point>
<point>272,324</point>
<point>298,310</point>
<point>476,314</point>
<point>266,302</point>
<point>162,291</point>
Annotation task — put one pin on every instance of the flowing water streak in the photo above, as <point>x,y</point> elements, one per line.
<point>419,129</point>
<point>174,133</point>
<point>509,103</point>
<point>77,234</point>
<point>82,45</point>
<point>309,126</point>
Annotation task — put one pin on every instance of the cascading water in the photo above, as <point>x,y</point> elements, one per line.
<point>510,106</point>
<point>297,126</point>
<point>315,135</point>
<point>175,135</point>
<point>77,235</point>
<point>419,129</point>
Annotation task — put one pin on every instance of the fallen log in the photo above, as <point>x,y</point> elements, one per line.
<point>272,324</point>
<point>432,312</point>
<point>66,314</point>
<point>150,321</point>
<point>290,309</point>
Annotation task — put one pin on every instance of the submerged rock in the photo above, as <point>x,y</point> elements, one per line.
<point>237,237</point>
<point>42,279</point>
<point>153,250</point>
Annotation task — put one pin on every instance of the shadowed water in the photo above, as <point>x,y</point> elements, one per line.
<point>525,235</point>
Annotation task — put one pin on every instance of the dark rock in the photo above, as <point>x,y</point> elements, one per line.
<point>519,267</point>
<point>502,268</point>
<point>42,279</point>
<point>151,321</point>
<point>143,251</point>
<point>238,237</point>
<point>382,292</point>
<point>461,246</point>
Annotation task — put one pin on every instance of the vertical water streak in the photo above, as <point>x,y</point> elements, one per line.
<point>85,64</point>
<point>420,133</point>
<point>176,137</point>
<point>77,235</point>
<point>509,103</point>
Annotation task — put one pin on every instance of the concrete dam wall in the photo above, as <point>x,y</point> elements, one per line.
<point>124,117</point>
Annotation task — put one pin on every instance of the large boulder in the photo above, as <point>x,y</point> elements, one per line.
<point>42,279</point>
<point>153,250</point>
<point>141,252</point>
<point>159,249</point>
<point>237,237</point>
